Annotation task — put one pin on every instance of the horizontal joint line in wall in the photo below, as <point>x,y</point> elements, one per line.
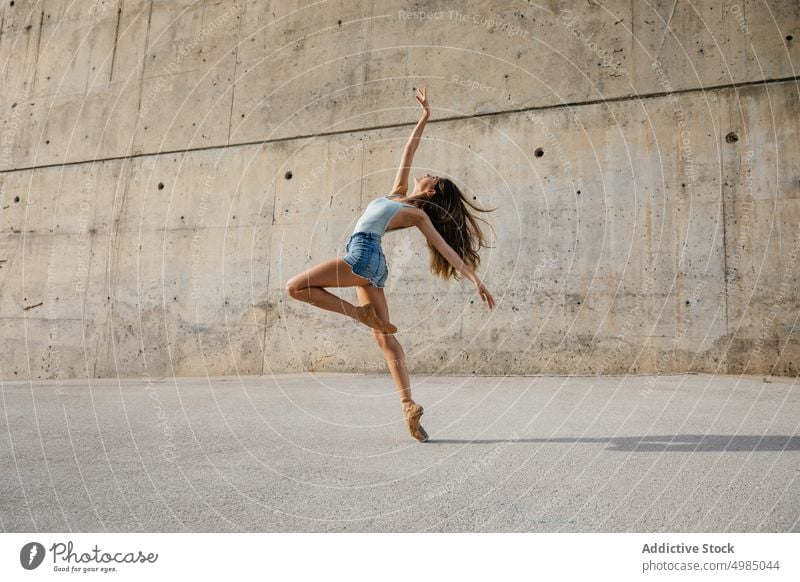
<point>639,97</point>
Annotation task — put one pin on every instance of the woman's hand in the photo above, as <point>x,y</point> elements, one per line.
<point>484,293</point>
<point>422,97</point>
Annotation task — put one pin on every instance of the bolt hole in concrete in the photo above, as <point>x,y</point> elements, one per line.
<point>16,198</point>
<point>161,185</point>
<point>789,37</point>
<point>539,152</point>
<point>288,175</point>
<point>732,137</point>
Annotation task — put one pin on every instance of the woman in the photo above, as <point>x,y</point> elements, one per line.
<point>440,211</point>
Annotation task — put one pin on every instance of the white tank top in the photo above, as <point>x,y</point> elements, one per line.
<point>378,214</point>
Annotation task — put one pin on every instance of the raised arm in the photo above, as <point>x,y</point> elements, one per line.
<point>400,185</point>
<point>424,224</point>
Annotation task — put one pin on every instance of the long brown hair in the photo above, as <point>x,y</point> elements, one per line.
<point>449,212</point>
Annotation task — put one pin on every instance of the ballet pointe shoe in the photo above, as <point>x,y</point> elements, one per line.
<point>412,413</point>
<point>367,315</point>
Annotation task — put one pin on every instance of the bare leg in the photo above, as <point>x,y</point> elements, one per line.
<point>391,348</point>
<point>309,287</point>
<point>396,360</point>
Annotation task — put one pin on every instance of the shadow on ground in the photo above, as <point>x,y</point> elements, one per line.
<point>676,443</point>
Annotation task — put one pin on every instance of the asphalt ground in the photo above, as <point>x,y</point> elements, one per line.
<point>330,452</point>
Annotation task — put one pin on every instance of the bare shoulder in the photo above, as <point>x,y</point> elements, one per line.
<point>405,217</point>
<point>402,189</point>
<point>415,215</point>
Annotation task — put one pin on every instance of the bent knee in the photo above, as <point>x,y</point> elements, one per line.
<point>293,288</point>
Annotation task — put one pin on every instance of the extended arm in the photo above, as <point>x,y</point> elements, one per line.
<point>424,224</point>
<point>400,185</point>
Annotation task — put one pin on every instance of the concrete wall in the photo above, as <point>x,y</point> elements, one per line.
<point>148,223</point>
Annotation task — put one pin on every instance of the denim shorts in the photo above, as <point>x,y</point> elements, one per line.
<point>365,256</point>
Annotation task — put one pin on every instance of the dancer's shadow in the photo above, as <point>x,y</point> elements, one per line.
<point>671,443</point>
